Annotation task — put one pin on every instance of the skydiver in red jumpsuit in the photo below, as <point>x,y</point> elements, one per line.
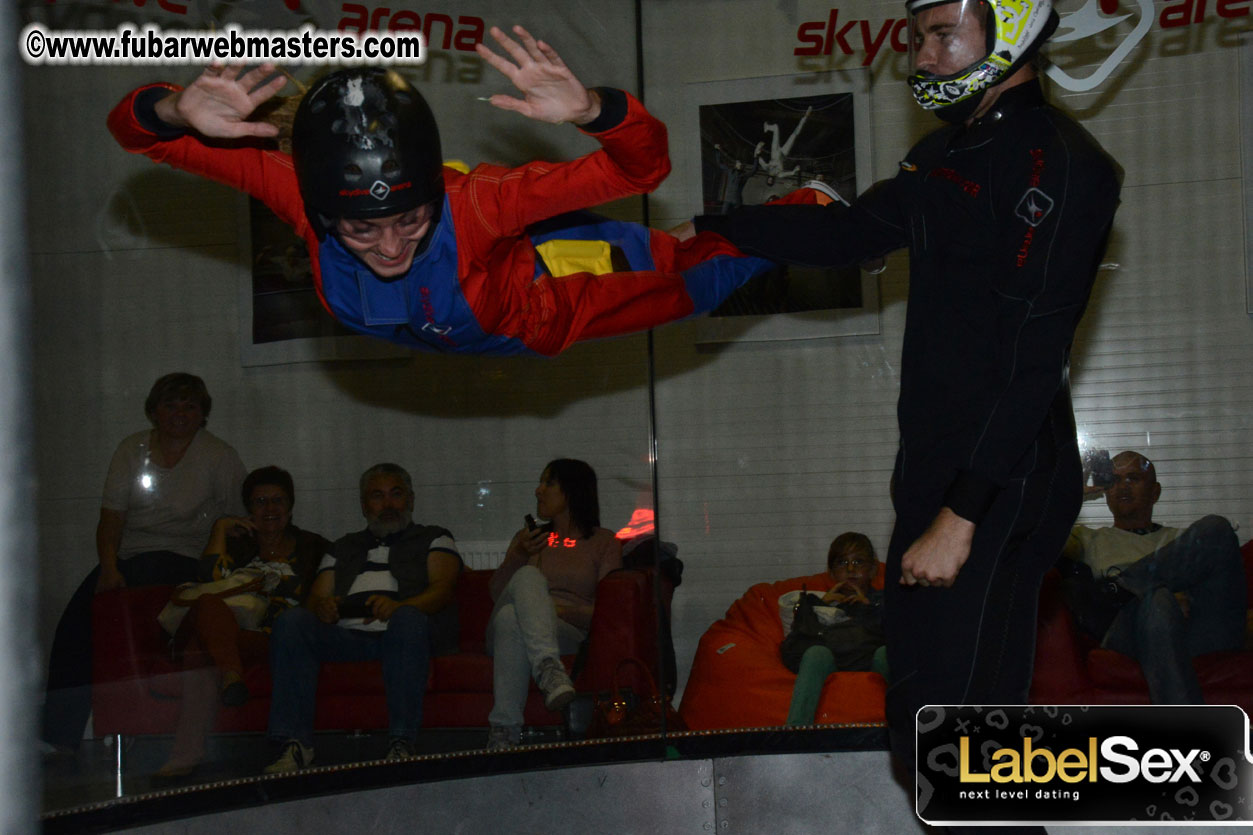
<point>496,261</point>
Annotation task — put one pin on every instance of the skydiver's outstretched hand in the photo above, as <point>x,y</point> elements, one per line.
<point>550,91</point>
<point>218,103</point>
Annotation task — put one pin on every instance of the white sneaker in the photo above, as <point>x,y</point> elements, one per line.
<point>555,684</point>
<point>825,188</point>
<point>295,757</point>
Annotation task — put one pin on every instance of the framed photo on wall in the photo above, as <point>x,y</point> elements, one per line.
<point>761,138</point>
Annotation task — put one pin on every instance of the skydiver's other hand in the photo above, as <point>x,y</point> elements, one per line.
<point>219,102</point>
<point>550,91</point>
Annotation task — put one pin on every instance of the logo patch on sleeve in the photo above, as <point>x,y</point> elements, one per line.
<point>1034,206</point>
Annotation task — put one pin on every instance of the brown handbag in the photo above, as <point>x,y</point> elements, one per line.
<point>622,712</point>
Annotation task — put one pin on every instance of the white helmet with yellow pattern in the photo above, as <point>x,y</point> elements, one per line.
<point>960,48</point>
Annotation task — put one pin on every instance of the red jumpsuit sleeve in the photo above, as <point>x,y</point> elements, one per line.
<point>266,175</point>
<point>633,159</point>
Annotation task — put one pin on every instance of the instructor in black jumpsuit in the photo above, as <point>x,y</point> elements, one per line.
<point>1005,211</point>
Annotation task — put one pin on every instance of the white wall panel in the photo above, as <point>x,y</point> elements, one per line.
<point>1163,359</point>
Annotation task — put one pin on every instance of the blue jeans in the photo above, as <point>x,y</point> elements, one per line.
<point>1204,562</point>
<point>300,643</point>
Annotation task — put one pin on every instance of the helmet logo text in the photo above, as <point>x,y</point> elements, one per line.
<point>379,191</point>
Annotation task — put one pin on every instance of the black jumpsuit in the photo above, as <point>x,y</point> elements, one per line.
<point>1005,221</point>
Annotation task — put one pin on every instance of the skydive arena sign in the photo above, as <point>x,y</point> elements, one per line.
<point>1100,764</point>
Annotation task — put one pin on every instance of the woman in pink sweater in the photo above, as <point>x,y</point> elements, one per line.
<point>545,591</point>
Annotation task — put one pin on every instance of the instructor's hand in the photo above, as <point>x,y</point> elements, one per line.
<point>218,103</point>
<point>935,557</point>
<point>550,91</point>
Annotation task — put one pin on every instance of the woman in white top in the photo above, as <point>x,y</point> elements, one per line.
<point>165,487</point>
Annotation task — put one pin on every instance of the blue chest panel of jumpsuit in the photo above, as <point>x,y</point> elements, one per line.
<point>424,309</point>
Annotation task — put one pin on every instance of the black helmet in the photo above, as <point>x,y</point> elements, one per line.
<point>365,144</point>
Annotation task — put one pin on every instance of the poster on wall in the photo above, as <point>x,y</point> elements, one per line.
<point>757,140</point>
<point>753,152</point>
<point>281,318</point>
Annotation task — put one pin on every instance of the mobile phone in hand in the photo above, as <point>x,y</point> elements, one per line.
<point>355,608</point>
<point>1102,469</point>
<point>530,522</point>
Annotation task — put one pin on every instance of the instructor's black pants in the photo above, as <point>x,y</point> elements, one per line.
<point>974,643</point>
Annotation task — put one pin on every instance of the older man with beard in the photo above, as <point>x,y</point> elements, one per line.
<point>384,593</point>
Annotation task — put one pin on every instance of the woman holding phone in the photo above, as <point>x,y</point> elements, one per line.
<point>545,591</point>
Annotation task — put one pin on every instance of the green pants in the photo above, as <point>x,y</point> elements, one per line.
<point>816,664</point>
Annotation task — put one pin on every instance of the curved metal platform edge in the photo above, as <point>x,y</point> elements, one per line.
<point>776,780</point>
<point>445,775</point>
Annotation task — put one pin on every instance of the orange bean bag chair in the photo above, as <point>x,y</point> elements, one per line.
<point>739,681</point>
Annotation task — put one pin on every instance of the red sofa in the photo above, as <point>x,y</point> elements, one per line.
<point>136,686</point>
<point>1070,667</point>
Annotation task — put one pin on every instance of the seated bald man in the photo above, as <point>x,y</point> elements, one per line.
<point>1159,594</point>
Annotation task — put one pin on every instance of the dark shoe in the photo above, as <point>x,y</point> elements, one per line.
<point>400,749</point>
<point>235,694</point>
